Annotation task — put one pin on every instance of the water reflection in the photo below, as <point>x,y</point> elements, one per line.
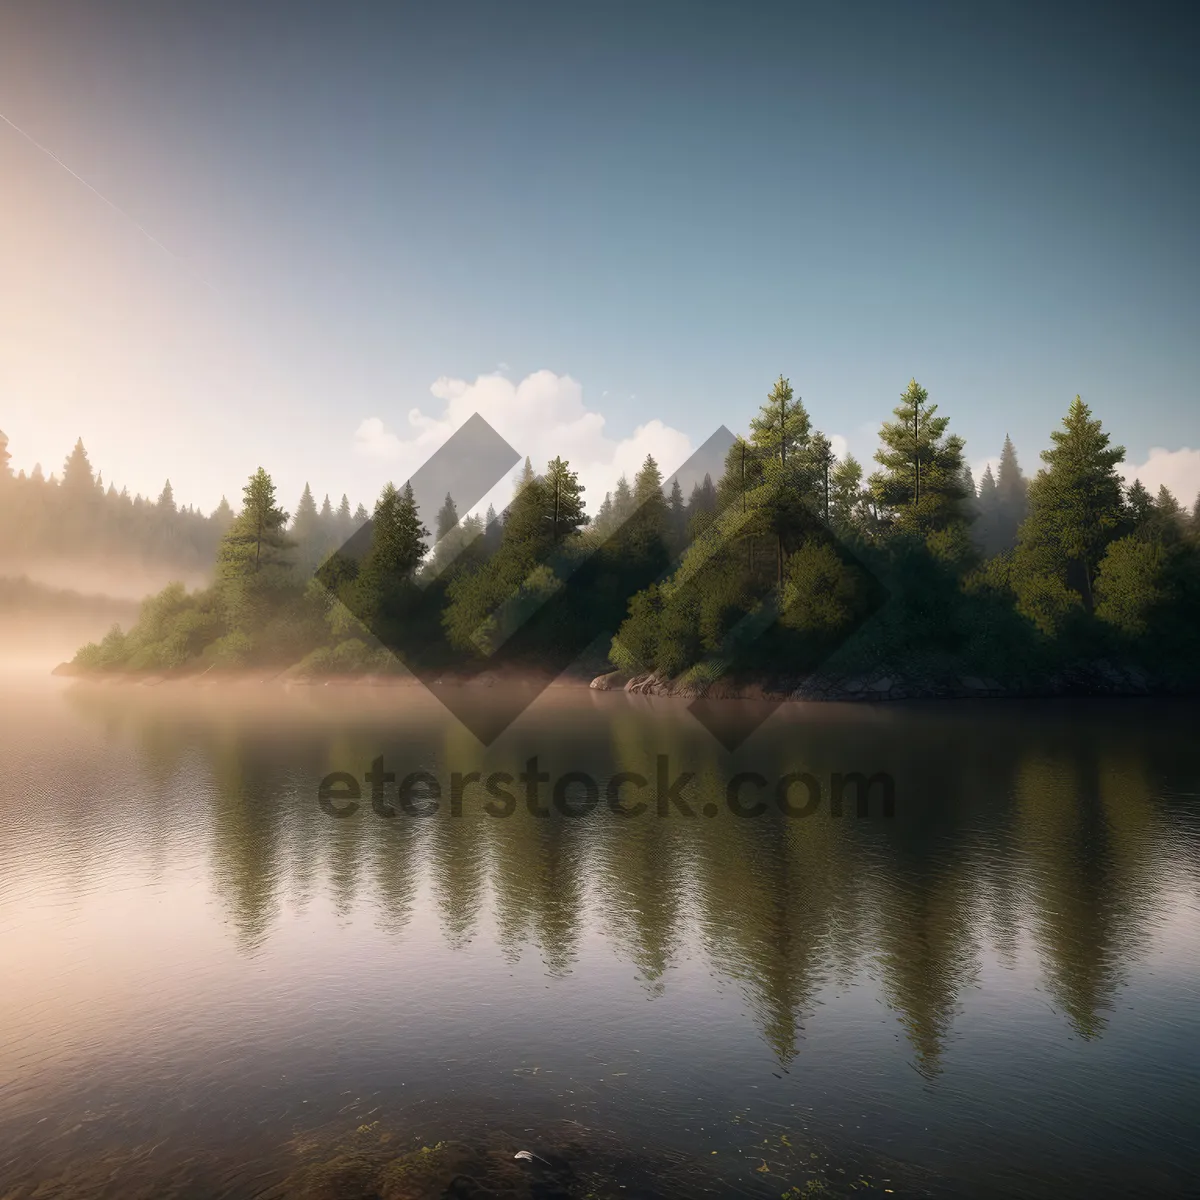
<point>1059,831</point>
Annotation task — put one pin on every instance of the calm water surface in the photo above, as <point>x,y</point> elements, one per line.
<point>205,974</point>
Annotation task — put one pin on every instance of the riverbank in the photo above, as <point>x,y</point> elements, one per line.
<point>1085,679</point>
<point>883,685</point>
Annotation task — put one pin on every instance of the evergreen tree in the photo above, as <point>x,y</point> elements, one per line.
<point>1139,504</point>
<point>256,538</point>
<point>987,528</point>
<point>447,517</point>
<point>305,522</point>
<point>846,495</point>
<point>343,521</point>
<point>1075,509</point>
<point>648,530</point>
<point>622,502</point>
<point>1167,520</point>
<point>824,461</point>
<point>361,516</point>
<point>77,471</point>
<point>564,499</point>
<point>921,485</point>
<point>702,504</point>
<point>5,457</point>
<point>678,516</point>
<point>782,454</point>
<point>166,499</point>
<point>397,544</point>
<point>1012,494</point>
<point>603,522</point>
<point>493,532</point>
<point>222,516</point>
<point>527,476</point>
<point>327,521</point>
<point>781,428</point>
<point>448,539</point>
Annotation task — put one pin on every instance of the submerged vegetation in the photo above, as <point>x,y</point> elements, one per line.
<point>788,559</point>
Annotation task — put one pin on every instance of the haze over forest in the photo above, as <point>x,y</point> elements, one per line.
<point>1072,563</point>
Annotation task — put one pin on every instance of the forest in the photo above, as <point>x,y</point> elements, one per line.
<point>783,560</point>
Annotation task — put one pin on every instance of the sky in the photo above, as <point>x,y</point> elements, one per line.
<point>317,237</point>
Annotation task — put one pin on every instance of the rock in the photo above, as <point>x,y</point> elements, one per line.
<point>609,681</point>
<point>973,684</point>
<point>642,685</point>
<point>882,685</point>
<point>852,685</point>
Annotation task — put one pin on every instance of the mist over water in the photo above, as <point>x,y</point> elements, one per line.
<point>991,989</point>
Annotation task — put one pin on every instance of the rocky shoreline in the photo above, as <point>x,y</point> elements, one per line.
<point>1090,679</point>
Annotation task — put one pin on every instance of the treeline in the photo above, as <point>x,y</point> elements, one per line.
<point>781,556</point>
<point>78,516</point>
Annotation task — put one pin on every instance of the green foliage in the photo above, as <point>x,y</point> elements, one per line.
<point>1131,584</point>
<point>767,572</point>
<point>822,595</point>
<point>921,485</point>
<point>1075,509</point>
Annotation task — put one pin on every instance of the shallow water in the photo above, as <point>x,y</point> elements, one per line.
<point>207,976</point>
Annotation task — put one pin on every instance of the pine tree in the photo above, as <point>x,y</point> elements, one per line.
<point>781,428</point>
<point>397,548</point>
<point>1012,496</point>
<point>678,517</point>
<point>846,495</point>
<point>77,471</point>
<point>448,534</point>
<point>1075,507</point>
<point>326,519</point>
<point>256,538</point>
<point>921,485</point>
<point>820,452</point>
<point>306,523</point>
<point>222,516</point>
<point>782,457</point>
<point>564,499</point>
<point>166,499</point>
<point>622,502</point>
<point>527,476</point>
<point>648,491</point>
<point>493,531</point>
<point>1138,504</point>
<point>361,516</point>
<point>1167,521</point>
<point>603,521</point>
<point>343,520</point>
<point>5,457</point>
<point>702,499</point>
<point>447,517</point>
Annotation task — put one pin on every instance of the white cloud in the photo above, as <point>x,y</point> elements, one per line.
<point>541,416</point>
<point>839,445</point>
<point>1179,470</point>
<point>373,440</point>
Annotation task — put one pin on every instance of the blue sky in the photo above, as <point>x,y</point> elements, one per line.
<point>664,205</point>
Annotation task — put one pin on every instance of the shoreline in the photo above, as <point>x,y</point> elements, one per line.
<point>880,686</point>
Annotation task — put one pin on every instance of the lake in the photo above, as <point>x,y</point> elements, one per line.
<point>218,978</point>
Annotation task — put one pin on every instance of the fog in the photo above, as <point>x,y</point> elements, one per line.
<point>49,611</point>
